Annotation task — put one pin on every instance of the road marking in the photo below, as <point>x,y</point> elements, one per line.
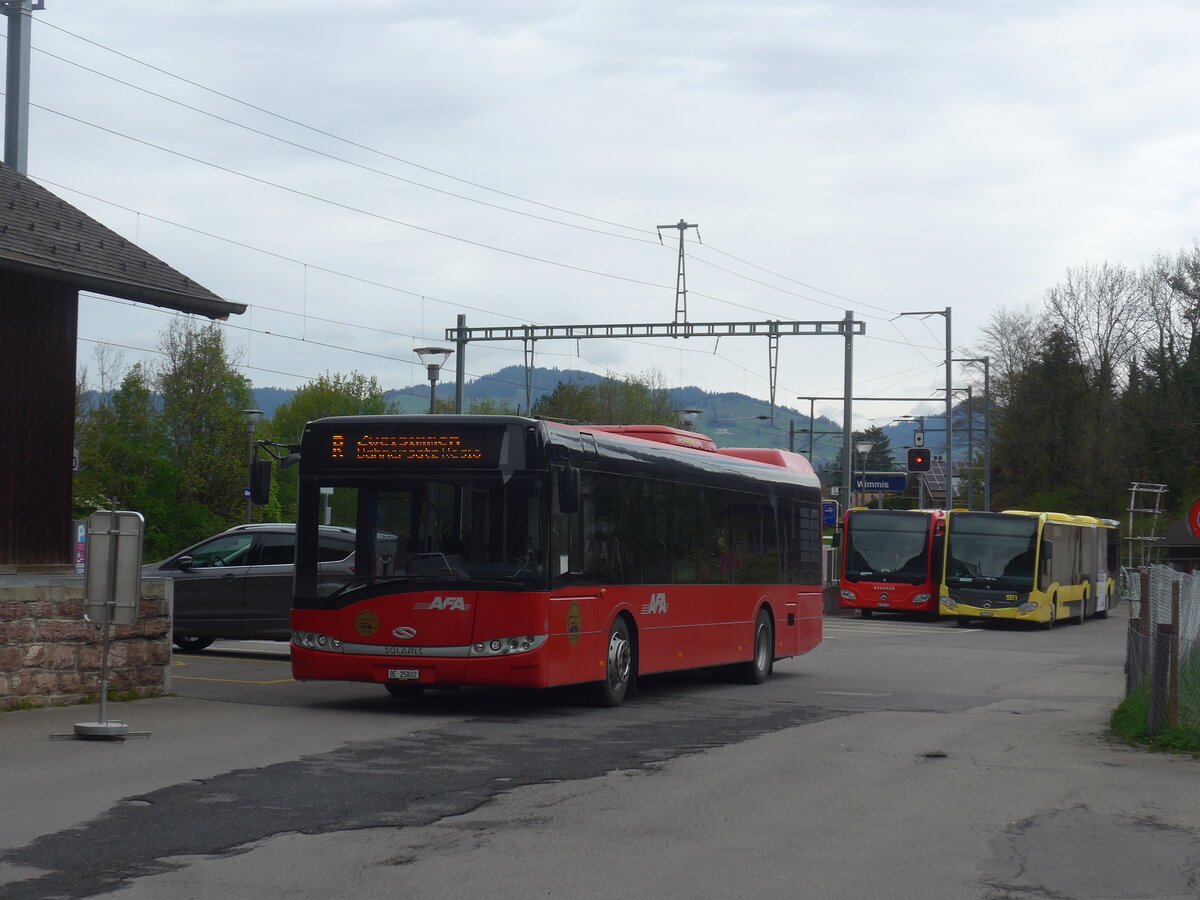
<point>834,628</point>
<point>230,680</point>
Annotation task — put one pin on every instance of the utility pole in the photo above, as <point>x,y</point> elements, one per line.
<point>949,402</point>
<point>680,277</point>
<point>16,99</point>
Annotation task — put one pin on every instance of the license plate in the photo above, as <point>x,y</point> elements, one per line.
<point>884,605</point>
<point>986,612</point>
<point>404,674</point>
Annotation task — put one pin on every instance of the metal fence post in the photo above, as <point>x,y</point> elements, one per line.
<point>1173,644</point>
<point>1144,624</point>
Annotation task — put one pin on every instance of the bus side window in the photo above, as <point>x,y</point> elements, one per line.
<point>566,544</point>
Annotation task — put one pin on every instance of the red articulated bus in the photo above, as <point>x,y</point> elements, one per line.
<point>892,560</point>
<point>502,550</point>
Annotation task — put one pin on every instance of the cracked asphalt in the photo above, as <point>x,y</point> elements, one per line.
<point>901,759</point>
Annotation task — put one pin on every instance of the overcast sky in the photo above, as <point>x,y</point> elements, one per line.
<point>361,173</point>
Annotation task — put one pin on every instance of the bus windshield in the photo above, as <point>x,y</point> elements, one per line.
<point>421,530</point>
<point>888,547</point>
<point>991,550</point>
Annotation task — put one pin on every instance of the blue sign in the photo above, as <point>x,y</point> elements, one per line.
<point>881,483</point>
<point>829,513</point>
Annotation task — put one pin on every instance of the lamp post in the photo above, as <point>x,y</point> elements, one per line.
<point>251,417</point>
<point>434,358</point>
<point>864,448</point>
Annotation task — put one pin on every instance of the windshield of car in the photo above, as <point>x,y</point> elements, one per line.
<point>426,531</point>
<point>992,551</point>
<point>887,547</point>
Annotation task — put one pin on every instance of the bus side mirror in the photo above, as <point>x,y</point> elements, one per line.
<point>260,481</point>
<point>568,489</point>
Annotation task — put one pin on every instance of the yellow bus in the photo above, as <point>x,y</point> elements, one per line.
<point>1028,566</point>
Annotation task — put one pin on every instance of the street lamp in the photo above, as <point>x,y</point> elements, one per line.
<point>864,448</point>
<point>434,358</point>
<point>688,417</point>
<point>251,417</point>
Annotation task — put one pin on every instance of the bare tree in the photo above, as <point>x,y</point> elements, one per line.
<point>1011,340</point>
<point>1103,309</point>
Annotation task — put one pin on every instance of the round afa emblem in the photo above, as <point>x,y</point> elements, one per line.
<point>366,623</point>
<point>574,622</point>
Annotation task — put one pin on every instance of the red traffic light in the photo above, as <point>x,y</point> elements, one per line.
<point>918,460</point>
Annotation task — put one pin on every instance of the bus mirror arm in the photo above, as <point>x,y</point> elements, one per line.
<point>568,489</point>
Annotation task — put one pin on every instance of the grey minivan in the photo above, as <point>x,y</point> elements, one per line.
<point>237,585</point>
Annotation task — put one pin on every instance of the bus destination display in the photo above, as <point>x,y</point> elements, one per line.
<point>457,448</point>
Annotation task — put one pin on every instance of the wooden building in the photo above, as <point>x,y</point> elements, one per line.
<point>49,252</point>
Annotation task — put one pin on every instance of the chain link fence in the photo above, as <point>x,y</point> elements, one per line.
<point>1162,663</point>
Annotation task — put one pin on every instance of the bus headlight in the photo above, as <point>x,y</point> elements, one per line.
<point>310,640</point>
<point>508,646</point>
<point>1027,607</point>
<point>847,595</point>
<point>922,598</point>
<point>948,603</point>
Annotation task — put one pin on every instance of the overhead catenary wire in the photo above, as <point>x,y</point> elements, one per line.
<point>441,234</point>
<point>645,234</point>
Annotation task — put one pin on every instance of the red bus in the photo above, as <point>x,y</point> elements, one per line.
<point>501,550</point>
<point>892,560</point>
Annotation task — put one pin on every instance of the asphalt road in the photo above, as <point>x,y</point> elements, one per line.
<point>902,758</point>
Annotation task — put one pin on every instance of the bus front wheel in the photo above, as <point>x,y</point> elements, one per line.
<point>759,667</point>
<point>618,667</point>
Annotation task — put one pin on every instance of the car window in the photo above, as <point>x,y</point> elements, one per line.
<point>228,550</point>
<point>276,549</point>
<point>330,549</point>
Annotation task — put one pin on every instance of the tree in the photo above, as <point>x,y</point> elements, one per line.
<point>202,392</point>
<point>124,462</point>
<point>1038,442</point>
<point>630,400</point>
<point>880,459</point>
<point>329,394</point>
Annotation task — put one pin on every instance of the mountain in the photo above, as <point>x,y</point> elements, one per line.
<point>731,419</point>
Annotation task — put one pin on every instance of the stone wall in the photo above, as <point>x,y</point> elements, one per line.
<point>49,655</point>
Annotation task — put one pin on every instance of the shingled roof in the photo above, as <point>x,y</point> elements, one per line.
<point>43,236</point>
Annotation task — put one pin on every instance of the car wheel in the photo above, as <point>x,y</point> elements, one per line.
<point>192,643</point>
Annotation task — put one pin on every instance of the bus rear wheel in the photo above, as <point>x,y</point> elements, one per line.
<point>758,668</point>
<point>618,668</point>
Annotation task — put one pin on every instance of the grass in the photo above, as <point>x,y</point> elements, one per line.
<point>1129,722</point>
